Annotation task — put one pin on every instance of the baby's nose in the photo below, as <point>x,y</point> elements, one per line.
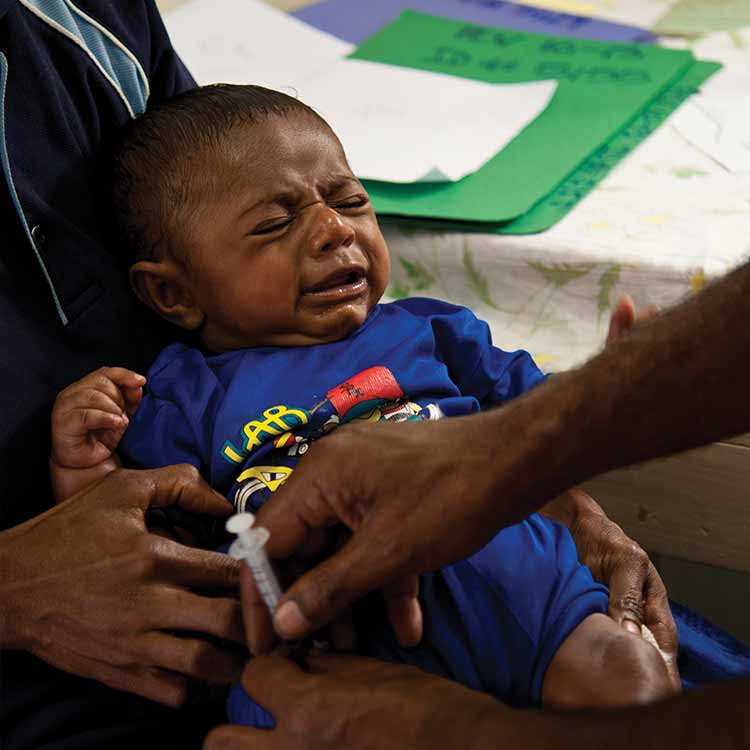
<point>329,231</point>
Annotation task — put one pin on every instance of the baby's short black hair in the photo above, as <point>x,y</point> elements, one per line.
<point>151,174</point>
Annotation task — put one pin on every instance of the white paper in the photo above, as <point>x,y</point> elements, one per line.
<point>247,41</point>
<point>727,143</point>
<point>396,124</point>
<point>717,119</point>
<point>404,125</point>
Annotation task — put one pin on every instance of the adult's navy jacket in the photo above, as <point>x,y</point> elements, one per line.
<point>70,75</point>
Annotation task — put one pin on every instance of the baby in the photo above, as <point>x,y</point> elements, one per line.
<point>247,229</point>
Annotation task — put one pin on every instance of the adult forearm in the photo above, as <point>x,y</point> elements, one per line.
<point>714,717</point>
<point>406,707</point>
<point>14,577</point>
<point>676,382</point>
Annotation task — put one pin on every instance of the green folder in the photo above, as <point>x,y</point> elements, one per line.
<point>595,168</point>
<point>584,178</point>
<point>602,88</point>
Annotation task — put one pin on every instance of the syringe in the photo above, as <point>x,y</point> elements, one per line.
<point>250,547</point>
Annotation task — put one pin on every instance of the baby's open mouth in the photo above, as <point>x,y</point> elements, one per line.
<point>339,282</point>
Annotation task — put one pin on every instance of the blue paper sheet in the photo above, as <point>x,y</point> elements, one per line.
<point>356,20</point>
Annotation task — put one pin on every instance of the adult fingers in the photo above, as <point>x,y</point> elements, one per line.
<point>659,620</point>
<point>313,600</point>
<point>154,684</point>
<point>178,609</point>
<point>157,685</point>
<point>341,630</point>
<point>230,737</point>
<point>648,312</point>
<point>180,485</point>
<point>626,584</point>
<point>404,611</point>
<point>347,666</point>
<point>622,318</point>
<point>295,517</point>
<point>191,657</point>
<point>194,567</point>
<point>259,630</point>
<point>273,681</point>
<point>657,612</point>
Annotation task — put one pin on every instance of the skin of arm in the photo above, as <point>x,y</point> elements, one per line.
<point>713,716</point>
<point>602,665</point>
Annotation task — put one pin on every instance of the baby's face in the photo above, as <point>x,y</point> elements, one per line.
<point>287,250</point>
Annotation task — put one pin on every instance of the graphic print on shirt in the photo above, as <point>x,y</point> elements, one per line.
<point>273,442</point>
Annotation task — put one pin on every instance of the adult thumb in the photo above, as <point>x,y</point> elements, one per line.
<point>319,595</point>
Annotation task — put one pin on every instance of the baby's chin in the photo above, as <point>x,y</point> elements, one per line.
<point>333,325</point>
<point>328,325</point>
<point>320,329</point>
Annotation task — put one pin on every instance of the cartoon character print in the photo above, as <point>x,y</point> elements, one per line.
<point>258,480</point>
<point>373,395</point>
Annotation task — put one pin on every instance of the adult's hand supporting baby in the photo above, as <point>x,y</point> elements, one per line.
<point>353,702</point>
<point>345,702</point>
<point>637,595</point>
<point>88,589</point>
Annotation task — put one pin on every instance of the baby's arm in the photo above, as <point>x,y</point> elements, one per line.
<point>88,420</point>
<point>600,664</point>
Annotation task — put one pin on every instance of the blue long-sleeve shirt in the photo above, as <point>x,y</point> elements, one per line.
<point>245,418</point>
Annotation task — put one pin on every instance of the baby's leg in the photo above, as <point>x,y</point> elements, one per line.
<point>495,621</point>
<point>600,664</point>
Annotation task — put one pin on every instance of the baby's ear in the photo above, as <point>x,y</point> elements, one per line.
<point>162,286</point>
